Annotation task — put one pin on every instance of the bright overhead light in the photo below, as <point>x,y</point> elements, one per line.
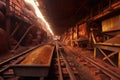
<point>37,3</point>
<point>39,14</point>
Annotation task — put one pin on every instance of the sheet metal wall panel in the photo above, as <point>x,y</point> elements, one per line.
<point>83,30</point>
<point>111,24</point>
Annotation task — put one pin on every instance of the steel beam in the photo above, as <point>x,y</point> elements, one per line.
<point>22,37</point>
<point>12,34</point>
<point>110,55</point>
<point>107,57</point>
<point>119,59</point>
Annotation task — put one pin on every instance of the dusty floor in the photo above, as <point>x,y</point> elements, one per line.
<point>94,72</point>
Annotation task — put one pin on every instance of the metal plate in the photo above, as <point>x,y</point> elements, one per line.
<point>32,70</point>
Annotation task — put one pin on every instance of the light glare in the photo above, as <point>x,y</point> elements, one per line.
<point>39,14</point>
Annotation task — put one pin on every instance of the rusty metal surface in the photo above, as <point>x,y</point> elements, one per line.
<point>83,30</point>
<point>114,40</point>
<point>33,70</point>
<point>111,24</point>
<point>109,48</point>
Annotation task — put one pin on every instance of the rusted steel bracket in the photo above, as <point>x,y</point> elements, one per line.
<point>22,37</point>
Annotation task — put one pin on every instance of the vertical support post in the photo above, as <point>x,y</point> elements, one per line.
<point>109,3</point>
<point>90,40</point>
<point>118,59</point>
<point>72,30</point>
<point>64,37</point>
<point>93,37</point>
<point>8,17</point>
<point>7,7</point>
<point>95,52</point>
<point>8,25</point>
<point>77,31</point>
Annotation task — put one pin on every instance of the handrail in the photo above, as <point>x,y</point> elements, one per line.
<point>104,44</point>
<point>108,44</point>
